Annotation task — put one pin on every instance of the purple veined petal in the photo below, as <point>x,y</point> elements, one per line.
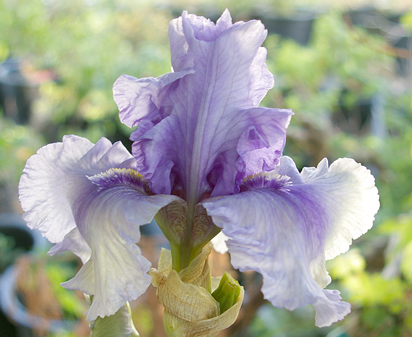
<point>287,167</point>
<point>261,79</point>
<point>240,144</point>
<point>88,199</point>
<point>141,99</point>
<point>49,176</point>
<point>206,102</point>
<point>108,218</point>
<point>211,113</point>
<point>285,228</point>
<point>190,31</point>
<point>354,197</point>
<point>74,242</point>
<point>261,144</point>
<point>204,30</point>
<point>190,27</point>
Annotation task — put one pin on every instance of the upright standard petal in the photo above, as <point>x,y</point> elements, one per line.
<point>284,225</point>
<point>140,100</point>
<point>90,200</point>
<point>210,123</point>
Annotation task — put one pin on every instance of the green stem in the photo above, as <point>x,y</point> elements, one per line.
<point>187,242</point>
<point>179,231</point>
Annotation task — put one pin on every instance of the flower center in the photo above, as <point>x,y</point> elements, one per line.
<point>187,230</point>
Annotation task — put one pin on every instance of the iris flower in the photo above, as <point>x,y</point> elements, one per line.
<point>206,158</point>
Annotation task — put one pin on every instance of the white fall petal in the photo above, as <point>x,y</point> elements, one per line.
<point>284,225</point>
<point>88,199</point>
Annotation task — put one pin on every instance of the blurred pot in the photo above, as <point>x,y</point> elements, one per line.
<point>297,27</point>
<point>25,240</point>
<point>365,117</point>
<point>13,227</point>
<point>16,92</point>
<point>25,323</point>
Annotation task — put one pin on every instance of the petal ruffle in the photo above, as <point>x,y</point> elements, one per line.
<point>74,242</point>
<point>96,215</point>
<point>351,192</point>
<point>283,226</point>
<point>210,120</point>
<point>109,220</point>
<point>141,99</point>
<point>51,178</point>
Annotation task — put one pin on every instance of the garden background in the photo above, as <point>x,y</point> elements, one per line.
<point>345,69</point>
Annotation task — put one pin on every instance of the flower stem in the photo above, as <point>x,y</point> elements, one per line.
<point>188,229</point>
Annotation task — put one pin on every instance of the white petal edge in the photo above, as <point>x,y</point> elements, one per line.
<point>53,175</point>
<point>284,234</point>
<point>109,220</point>
<point>350,190</point>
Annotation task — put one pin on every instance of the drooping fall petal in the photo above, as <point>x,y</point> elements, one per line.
<point>89,199</point>
<point>285,225</point>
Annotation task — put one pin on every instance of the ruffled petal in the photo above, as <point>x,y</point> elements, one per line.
<point>90,200</point>
<point>74,242</point>
<point>52,175</point>
<point>141,99</point>
<point>109,220</point>
<point>351,192</point>
<point>283,226</point>
<point>210,128</point>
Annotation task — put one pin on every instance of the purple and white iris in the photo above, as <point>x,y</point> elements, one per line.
<point>201,142</point>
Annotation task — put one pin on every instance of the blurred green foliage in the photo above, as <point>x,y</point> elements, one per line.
<point>339,66</point>
<point>17,144</point>
<point>86,45</point>
<point>59,271</point>
<point>38,279</point>
<point>380,303</point>
<point>8,251</point>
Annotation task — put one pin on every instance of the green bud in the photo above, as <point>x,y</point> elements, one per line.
<point>190,308</point>
<point>227,293</point>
